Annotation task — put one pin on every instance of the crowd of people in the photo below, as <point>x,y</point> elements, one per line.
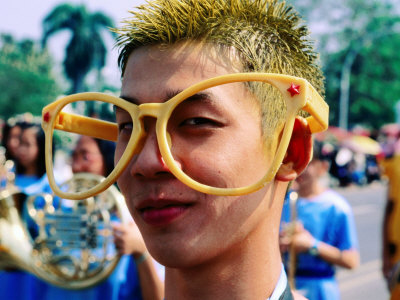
<point>203,172</point>
<point>135,277</point>
<point>352,164</point>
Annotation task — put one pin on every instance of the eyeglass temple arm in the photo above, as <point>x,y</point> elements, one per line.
<point>87,126</point>
<point>318,109</point>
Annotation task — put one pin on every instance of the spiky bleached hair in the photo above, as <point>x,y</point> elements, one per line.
<point>268,36</point>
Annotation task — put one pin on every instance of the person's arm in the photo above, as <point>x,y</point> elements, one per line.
<point>386,264</point>
<point>387,167</point>
<point>348,259</point>
<point>128,240</point>
<point>303,242</point>
<point>151,285</point>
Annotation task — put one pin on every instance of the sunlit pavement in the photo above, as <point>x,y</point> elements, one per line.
<point>366,282</point>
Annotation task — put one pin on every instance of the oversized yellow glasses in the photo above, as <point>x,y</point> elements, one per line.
<point>186,123</point>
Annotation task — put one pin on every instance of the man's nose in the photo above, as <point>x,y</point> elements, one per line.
<point>148,162</point>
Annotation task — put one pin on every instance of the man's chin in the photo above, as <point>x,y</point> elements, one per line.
<point>174,256</point>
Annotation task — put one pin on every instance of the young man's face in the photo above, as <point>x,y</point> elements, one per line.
<point>221,144</point>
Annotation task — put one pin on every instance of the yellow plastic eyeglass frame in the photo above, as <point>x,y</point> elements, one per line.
<point>298,94</point>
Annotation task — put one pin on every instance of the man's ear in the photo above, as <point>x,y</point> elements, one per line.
<point>298,154</point>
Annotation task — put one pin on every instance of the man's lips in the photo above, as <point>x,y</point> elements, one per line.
<point>162,212</point>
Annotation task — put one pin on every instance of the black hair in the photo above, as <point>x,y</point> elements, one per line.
<point>321,151</point>
<point>107,150</point>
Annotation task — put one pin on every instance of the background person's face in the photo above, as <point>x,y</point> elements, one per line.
<point>28,149</point>
<point>182,226</point>
<point>312,174</point>
<point>13,140</point>
<point>87,157</point>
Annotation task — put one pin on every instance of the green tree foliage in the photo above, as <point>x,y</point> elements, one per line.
<point>359,42</point>
<point>86,49</point>
<point>375,83</point>
<point>26,82</point>
<point>373,88</point>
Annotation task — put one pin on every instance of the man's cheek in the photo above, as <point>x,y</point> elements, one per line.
<point>124,188</point>
<point>117,155</point>
<point>121,182</point>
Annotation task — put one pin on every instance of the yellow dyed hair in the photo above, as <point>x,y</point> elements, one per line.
<point>268,36</point>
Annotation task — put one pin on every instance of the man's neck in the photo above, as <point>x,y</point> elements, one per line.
<point>248,272</point>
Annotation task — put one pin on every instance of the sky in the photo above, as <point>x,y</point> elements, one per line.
<point>23,19</point>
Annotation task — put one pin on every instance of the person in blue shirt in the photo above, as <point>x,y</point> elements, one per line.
<point>135,276</point>
<point>30,178</point>
<point>324,235</point>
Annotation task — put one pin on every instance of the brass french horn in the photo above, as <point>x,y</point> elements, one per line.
<point>70,243</point>
<point>12,231</point>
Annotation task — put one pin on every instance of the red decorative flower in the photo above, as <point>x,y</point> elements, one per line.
<point>46,117</point>
<point>294,89</point>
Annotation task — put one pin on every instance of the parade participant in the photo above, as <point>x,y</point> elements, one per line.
<point>325,235</point>
<point>10,138</point>
<point>11,134</point>
<point>206,190</point>
<point>30,154</point>
<point>30,179</point>
<point>30,175</point>
<point>135,276</point>
<point>391,218</point>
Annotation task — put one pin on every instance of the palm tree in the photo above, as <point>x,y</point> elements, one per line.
<point>86,49</point>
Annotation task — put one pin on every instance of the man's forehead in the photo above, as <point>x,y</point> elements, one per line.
<point>158,70</point>
<point>197,54</point>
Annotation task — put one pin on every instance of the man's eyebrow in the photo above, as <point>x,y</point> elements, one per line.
<point>127,98</point>
<point>201,96</point>
<point>137,101</point>
<point>130,99</point>
<point>198,96</point>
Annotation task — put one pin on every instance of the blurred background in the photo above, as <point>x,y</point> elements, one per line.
<point>50,48</point>
<point>358,42</point>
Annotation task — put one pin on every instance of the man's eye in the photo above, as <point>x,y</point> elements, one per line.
<point>199,122</point>
<point>125,127</point>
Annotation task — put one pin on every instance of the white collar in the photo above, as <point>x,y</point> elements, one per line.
<point>280,286</point>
